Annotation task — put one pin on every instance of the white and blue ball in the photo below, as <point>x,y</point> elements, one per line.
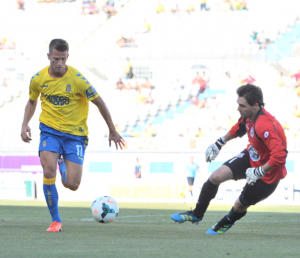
<point>105,209</point>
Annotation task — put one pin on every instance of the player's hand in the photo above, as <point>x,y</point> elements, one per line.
<point>213,150</point>
<point>26,133</point>
<point>253,174</point>
<point>114,136</point>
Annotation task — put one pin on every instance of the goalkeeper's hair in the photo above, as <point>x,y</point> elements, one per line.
<point>59,44</point>
<point>253,94</point>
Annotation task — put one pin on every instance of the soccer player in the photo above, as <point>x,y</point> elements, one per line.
<point>262,163</point>
<point>65,95</point>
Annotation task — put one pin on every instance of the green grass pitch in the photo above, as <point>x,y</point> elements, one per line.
<point>146,230</point>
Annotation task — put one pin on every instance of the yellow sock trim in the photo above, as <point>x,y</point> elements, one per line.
<point>49,181</point>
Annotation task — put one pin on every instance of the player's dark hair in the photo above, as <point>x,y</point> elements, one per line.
<point>58,44</point>
<point>253,94</point>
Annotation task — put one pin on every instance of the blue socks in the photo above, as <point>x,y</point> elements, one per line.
<point>51,197</point>
<point>63,169</point>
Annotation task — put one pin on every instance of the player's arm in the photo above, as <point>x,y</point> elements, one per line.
<point>34,93</point>
<point>238,130</point>
<point>214,149</point>
<point>29,111</point>
<point>113,134</point>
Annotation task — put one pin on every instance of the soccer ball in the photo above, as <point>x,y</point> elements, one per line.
<point>105,209</point>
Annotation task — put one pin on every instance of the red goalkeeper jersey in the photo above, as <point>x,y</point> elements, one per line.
<point>267,143</point>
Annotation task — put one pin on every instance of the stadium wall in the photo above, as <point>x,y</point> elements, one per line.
<point>163,178</point>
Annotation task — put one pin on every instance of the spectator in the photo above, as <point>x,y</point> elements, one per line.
<point>202,83</point>
<point>109,8</point>
<point>200,133</point>
<point>262,40</point>
<point>205,77</point>
<point>146,133</point>
<point>3,82</point>
<point>138,169</point>
<point>160,8</point>
<point>149,99</point>
<point>298,89</point>
<point>194,101</point>
<point>120,85</point>
<point>286,126</point>
<point>281,80</point>
<point>243,5</point>
<point>203,5</point>
<point>128,69</point>
<point>190,8</point>
<point>20,4</point>
<point>230,123</point>
<point>118,129</point>
<point>253,36</point>
<point>226,6</point>
<point>139,98</point>
<point>236,5</point>
<point>145,28</point>
<point>296,112</point>
<point>150,129</point>
<point>296,76</point>
<point>248,79</point>
<point>125,42</point>
<point>146,84</point>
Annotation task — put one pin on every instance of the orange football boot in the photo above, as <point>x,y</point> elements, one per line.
<point>62,181</point>
<point>55,227</point>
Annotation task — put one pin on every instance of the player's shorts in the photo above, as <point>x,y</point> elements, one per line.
<point>72,147</point>
<point>251,194</point>
<point>191,180</point>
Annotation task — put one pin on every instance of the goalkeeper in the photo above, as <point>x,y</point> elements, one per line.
<point>262,163</point>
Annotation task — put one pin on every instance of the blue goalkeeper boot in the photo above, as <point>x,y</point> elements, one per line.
<point>220,227</point>
<point>186,216</point>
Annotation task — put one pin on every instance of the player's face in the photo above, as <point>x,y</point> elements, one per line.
<point>58,61</point>
<point>244,108</point>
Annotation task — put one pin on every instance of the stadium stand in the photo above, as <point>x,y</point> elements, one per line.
<point>173,106</point>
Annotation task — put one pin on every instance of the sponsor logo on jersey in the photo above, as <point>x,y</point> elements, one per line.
<point>68,87</point>
<point>252,132</point>
<point>58,100</point>
<point>44,144</point>
<point>266,134</point>
<point>44,86</point>
<point>253,154</point>
<point>247,126</point>
<point>240,155</point>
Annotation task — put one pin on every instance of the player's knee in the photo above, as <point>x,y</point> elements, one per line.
<point>49,171</point>
<point>74,186</point>
<point>239,207</point>
<point>215,179</point>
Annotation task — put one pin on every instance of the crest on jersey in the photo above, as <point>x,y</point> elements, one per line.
<point>253,153</point>
<point>68,87</point>
<point>44,144</point>
<point>252,132</point>
<point>91,90</point>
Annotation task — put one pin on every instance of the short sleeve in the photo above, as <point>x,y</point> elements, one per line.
<point>87,89</point>
<point>34,92</point>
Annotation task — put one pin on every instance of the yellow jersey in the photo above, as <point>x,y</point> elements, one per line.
<point>65,100</point>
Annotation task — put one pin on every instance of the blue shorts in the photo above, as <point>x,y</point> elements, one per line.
<point>72,147</point>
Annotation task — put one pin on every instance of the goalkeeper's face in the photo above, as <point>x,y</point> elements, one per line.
<point>246,110</point>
